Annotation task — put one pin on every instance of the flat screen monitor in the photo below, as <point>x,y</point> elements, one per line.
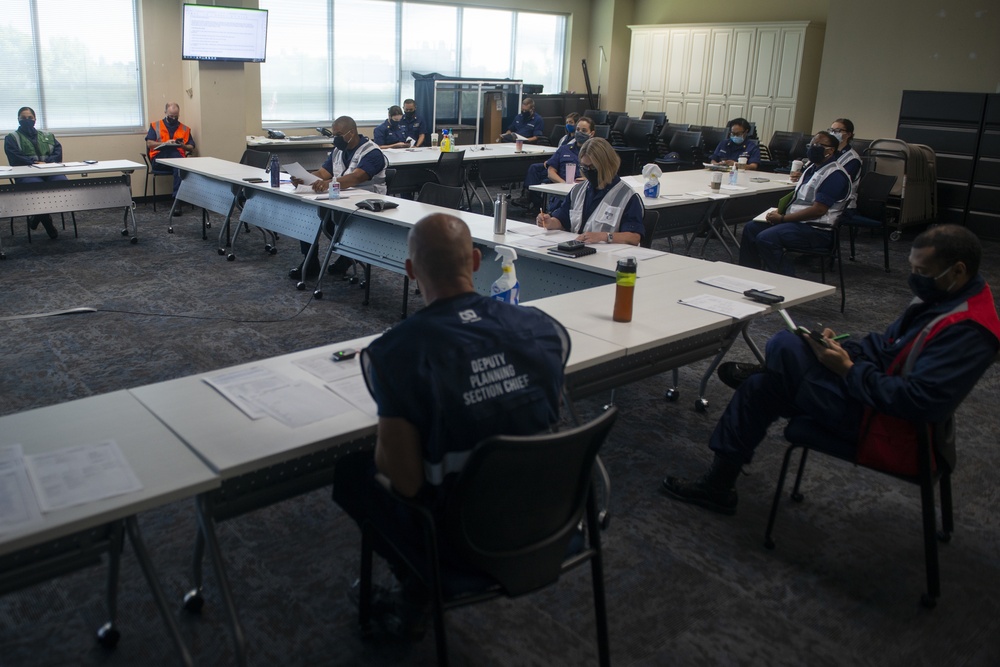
<point>234,34</point>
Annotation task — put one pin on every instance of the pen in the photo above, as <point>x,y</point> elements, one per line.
<point>841,336</point>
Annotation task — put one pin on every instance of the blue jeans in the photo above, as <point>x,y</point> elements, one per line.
<point>794,383</point>
<point>763,245</point>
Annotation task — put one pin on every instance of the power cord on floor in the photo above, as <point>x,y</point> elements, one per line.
<point>77,311</point>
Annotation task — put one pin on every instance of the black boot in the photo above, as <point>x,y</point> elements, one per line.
<point>715,490</point>
<point>50,227</point>
<point>311,270</point>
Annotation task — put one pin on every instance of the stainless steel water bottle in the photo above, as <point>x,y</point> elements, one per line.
<point>500,214</point>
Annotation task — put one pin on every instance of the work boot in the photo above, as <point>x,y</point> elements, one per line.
<point>715,490</point>
<point>50,228</point>
<point>735,373</point>
<point>311,272</point>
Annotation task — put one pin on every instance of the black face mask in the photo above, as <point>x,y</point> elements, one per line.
<point>925,287</point>
<point>340,143</point>
<point>526,115</point>
<point>171,122</point>
<point>590,173</point>
<point>409,115</point>
<point>816,153</point>
<point>26,123</point>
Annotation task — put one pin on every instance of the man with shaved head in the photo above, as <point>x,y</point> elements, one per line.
<point>464,368</point>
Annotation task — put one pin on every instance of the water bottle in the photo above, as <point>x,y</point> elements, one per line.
<point>500,214</point>
<point>733,175</point>
<point>275,170</point>
<point>625,289</point>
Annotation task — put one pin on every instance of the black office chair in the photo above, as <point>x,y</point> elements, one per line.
<point>649,220</point>
<point>871,213</point>
<point>829,254</point>
<point>667,133</point>
<point>779,149</point>
<point>600,117</point>
<point>637,137</point>
<point>152,171</point>
<point>711,137</point>
<point>613,117</point>
<point>683,153</point>
<point>658,117</point>
<point>558,132</point>
<point>450,171</point>
<point>259,159</point>
<point>617,134</point>
<point>602,131</point>
<point>934,462</point>
<point>513,517</point>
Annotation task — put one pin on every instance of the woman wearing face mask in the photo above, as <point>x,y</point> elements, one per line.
<point>807,223</point>
<point>602,208</point>
<point>28,146</point>
<point>736,144</point>
<point>391,134</point>
<point>553,170</point>
<point>571,120</point>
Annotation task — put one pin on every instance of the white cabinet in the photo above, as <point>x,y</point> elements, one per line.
<point>707,74</point>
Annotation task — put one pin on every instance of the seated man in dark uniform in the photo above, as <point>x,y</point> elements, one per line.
<point>861,391</point>
<point>527,124</point>
<point>464,368</point>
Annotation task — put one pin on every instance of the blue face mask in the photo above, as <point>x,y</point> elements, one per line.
<point>736,140</point>
<point>570,128</point>
<point>925,287</point>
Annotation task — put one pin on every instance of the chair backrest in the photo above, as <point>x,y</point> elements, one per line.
<point>799,149</point>
<point>685,142</point>
<point>620,124</point>
<point>449,169</point>
<point>713,136</point>
<point>558,132</point>
<point>649,220</point>
<point>600,117</point>
<point>667,133</point>
<point>602,131</point>
<point>637,133</point>
<point>613,117</point>
<point>259,159</point>
<point>517,502</point>
<point>873,192</point>
<point>440,195</point>
<point>781,145</point>
<point>390,174</point>
<point>658,117</point>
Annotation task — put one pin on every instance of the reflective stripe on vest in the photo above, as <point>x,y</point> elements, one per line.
<point>377,182</point>
<point>183,132</point>
<point>608,214</point>
<point>805,196</point>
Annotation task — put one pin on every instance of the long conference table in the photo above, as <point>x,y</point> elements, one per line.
<point>234,464</point>
<point>83,194</point>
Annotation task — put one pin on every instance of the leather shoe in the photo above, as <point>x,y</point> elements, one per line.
<point>735,373</point>
<point>312,271</point>
<point>50,228</point>
<point>340,267</point>
<point>701,492</point>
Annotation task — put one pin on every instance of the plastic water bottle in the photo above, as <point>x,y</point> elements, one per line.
<point>733,175</point>
<point>275,170</point>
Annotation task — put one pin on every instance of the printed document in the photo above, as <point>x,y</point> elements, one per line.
<point>354,390</point>
<point>328,370</point>
<point>734,284</point>
<point>298,171</point>
<point>18,506</point>
<point>81,474</point>
<point>723,306</point>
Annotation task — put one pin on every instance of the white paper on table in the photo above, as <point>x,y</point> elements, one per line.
<point>298,171</point>
<point>763,216</point>
<point>734,187</point>
<point>611,248</point>
<point>47,165</point>
<point>4,167</point>
<point>74,164</point>
<point>300,404</point>
<point>18,506</point>
<point>80,474</point>
<point>240,386</point>
<point>723,306</point>
<point>524,229</point>
<point>638,252</point>
<point>355,391</point>
<point>734,284</point>
<point>706,193</point>
<point>326,369</point>
<point>533,242</point>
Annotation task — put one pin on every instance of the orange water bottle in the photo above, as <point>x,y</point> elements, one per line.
<point>625,289</point>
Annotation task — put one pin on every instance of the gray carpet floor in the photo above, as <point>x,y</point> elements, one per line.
<point>685,587</point>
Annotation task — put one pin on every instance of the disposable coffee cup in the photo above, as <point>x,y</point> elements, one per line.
<point>716,181</point>
<point>518,145</point>
<point>570,173</point>
<point>434,139</point>
<point>796,166</point>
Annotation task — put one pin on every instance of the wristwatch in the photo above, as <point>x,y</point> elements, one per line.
<point>610,234</point>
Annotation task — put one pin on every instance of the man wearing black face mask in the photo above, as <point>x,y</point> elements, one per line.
<point>865,391</point>
<point>820,196</point>
<point>355,162</point>
<point>170,138</point>
<point>527,124</point>
<point>28,146</point>
<point>411,125</point>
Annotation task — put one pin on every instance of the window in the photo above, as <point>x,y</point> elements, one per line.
<point>328,58</point>
<point>57,58</point>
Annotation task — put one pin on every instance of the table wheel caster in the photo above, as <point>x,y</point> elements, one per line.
<point>318,293</point>
<point>108,636</point>
<point>300,286</point>
<point>125,232</point>
<point>3,255</point>
<point>230,257</point>
<point>170,229</point>
<point>134,240</point>
<point>353,280</point>
<point>672,394</point>
<point>222,251</point>
<point>701,405</point>
<point>208,224</point>
<point>895,236</point>
<point>193,601</point>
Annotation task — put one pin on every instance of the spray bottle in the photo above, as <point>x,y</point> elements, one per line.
<point>506,288</point>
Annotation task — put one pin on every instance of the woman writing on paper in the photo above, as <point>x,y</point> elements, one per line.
<point>602,208</point>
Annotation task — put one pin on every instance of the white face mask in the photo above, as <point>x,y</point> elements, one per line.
<point>839,136</point>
